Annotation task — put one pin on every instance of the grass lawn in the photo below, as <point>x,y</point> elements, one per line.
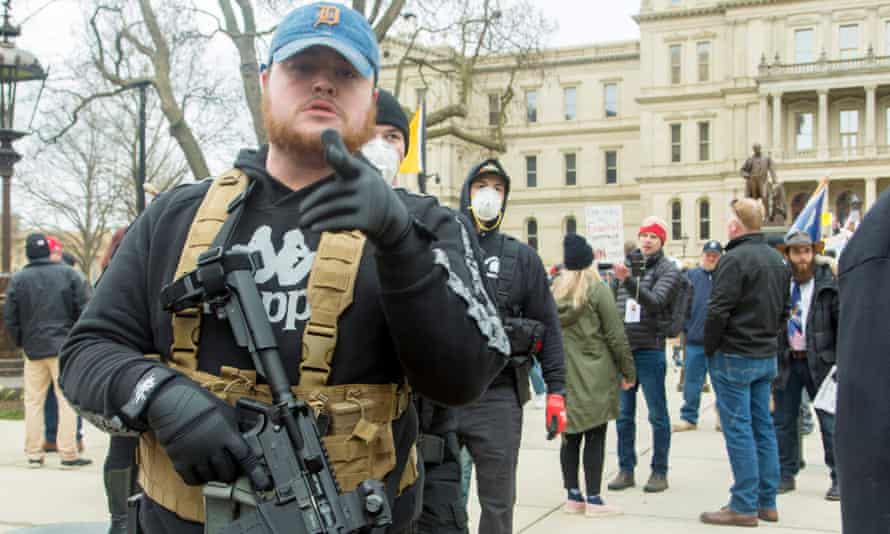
<point>17,415</point>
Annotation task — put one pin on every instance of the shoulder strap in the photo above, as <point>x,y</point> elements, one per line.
<point>209,219</point>
<point>330,292</point>
<point>507,271</point>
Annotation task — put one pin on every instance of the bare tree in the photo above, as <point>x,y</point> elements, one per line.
<point>75,191</point>
<point>463,42</point>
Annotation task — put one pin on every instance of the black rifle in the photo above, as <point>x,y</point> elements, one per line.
<point>304,497</point>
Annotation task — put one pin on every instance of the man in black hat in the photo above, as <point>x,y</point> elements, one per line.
<point>806,353</point>
<point>437,442</point>
<point>42,303</point>
<point>695,364</point>
<point>391,137</point>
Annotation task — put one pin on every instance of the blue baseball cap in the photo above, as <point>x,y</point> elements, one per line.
<point>713,246</point>
<point>332,25</point>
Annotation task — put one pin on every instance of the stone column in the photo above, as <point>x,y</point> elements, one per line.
<point>764,122</point>
<point>776,145</point>
<point>870,121</point>
<point>822,121</point>
<point>871,193</point>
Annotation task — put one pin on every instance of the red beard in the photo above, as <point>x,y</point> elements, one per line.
<point>283,135</point>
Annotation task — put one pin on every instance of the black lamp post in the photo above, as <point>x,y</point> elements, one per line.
<point>142,85</point>
<point>16,66</point>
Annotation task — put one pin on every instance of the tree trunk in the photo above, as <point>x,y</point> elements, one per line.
<point>179,128</point>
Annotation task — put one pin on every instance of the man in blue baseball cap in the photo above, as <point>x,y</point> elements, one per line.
<point>695,365</point>
<point>367,289</point>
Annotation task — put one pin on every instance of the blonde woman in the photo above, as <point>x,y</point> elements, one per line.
<point>596,352</point>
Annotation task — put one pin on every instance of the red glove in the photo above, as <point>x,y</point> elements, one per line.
<point>556,415</point>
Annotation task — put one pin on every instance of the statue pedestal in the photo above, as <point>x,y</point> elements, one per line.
<point>11,362</point>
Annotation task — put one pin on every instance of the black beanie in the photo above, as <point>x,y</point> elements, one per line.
<point>389,111</point>
<point>36,246</point>
<point>577,254</point>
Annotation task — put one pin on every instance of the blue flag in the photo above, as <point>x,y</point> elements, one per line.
<point>810,218</point>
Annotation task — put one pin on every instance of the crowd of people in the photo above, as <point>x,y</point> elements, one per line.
<point>411,329</point>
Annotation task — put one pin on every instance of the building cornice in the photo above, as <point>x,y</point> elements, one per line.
<point>531,133</point>
<point>684,97</point>
<point>718,9</point>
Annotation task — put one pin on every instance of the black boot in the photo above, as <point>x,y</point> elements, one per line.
<point>117,489</point>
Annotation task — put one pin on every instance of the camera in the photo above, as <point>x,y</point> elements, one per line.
<point>637,263</point>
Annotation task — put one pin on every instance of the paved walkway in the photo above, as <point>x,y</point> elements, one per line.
<point>699,479</point>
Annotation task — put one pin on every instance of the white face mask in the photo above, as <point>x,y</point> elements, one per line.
<point>487,204</point>
<point>384,156</point>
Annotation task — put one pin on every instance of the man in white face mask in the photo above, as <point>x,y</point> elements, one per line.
<point>391,140</point>
<point>491,428</point>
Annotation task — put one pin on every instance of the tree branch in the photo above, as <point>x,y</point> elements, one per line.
<point>388,19</point>
<point>463,135</point>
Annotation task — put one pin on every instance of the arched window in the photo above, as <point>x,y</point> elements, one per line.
<point>571,225</point>
<point>797,204</point>
<point>842,205</point>
<point>704,219</point>
<point>676,219</point>
<point>531,232</point>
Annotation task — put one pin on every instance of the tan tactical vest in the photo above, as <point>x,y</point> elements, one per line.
<point>360,440</point>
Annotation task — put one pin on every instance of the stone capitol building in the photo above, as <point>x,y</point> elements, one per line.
<point>662,125</point>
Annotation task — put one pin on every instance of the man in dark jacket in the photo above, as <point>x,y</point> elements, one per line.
<point>645,295</point>
<point>417,312</point>
<point>862,434</point>
<point>695,364</point>
<point>42,303</point>
<point>748,307</point>
<point>437,442</point>
<point>491,428</point>
<point>806,354</point>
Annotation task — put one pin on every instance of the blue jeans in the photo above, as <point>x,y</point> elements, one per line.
<point>742,386</point>
<point>537,376</point>
<point>788,404</point>
<point>51,418</point>
<point>695,369</point>
<point>651,369</point>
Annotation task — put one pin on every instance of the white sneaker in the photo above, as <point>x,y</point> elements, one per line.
<point>540,401</point>
<point>601,510</point>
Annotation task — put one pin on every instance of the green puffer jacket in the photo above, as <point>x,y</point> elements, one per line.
<point>597,351</point>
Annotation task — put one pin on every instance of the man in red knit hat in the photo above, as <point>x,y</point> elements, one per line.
<point>648,283</point>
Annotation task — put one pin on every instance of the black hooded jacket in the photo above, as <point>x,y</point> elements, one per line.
<point>862,434</point>
<point>529,292</point>
<point>419,312</point>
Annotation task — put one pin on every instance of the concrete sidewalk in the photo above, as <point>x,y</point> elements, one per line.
<point>699,480</point>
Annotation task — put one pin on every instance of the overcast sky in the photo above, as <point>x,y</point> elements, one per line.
<point>50,25</point>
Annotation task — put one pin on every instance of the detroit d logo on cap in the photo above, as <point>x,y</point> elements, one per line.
<point>329,15</point>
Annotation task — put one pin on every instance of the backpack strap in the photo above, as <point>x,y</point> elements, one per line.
<point>330,293</point>
<point>209,219</point>
<point>507,272</point>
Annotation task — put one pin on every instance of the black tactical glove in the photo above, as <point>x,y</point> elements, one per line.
<point>356,199</point>
<point>200,434</point>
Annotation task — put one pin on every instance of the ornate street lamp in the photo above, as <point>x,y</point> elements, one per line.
<point>16,66</point>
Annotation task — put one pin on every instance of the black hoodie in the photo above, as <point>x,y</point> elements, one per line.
<point>418,312</point>
<point>862,435</point>
<point>529,292</point>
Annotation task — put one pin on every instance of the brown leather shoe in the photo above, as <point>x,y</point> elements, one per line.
<point>80,446</point>
<point>768,515</point>
<point>727,517</point>
<point>50,446</point>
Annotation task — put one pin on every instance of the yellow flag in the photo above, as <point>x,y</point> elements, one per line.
<point>413,162</point>
<point>826,218</point>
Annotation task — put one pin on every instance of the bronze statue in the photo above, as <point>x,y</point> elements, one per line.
<point>761,185</point>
